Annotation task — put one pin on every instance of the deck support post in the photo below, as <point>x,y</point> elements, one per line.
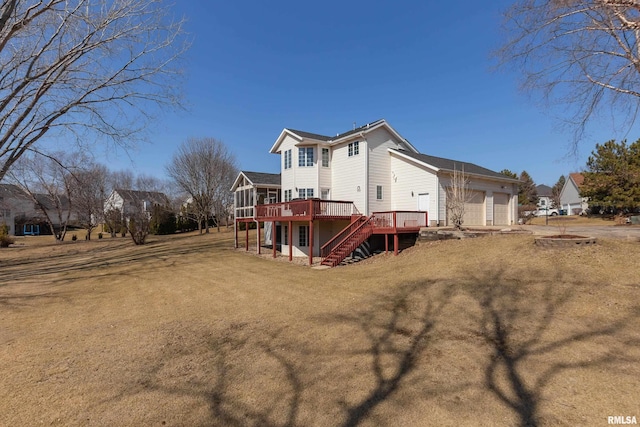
<point>246,239</point>
<point>311,242</point>
<point>235,233</point>
<point>386,243</point>
<point>290,241</point>
<point>258,236</point>
<point>273,237</point>
<point>395,244</point>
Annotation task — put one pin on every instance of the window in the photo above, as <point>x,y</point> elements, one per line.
<point>287,195</point>
<point>324,194</point>
<point>354,148</point>
<point>287,159</point>
<point>325,157</point>
<point>303,236</point>
<point>378,192</point>
<point>305,156</point>
<point>305,193</point>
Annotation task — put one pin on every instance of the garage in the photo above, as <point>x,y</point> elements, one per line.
<point>500,209</point>
<point>474,211</point>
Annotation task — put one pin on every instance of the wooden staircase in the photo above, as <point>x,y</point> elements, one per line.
<point>347,241</point>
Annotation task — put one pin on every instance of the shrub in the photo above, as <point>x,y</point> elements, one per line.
<point>5,238</point>
<point>99,235</point>
<point>74,237</point>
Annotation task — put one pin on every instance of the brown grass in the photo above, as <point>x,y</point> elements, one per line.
<point>188,331</point>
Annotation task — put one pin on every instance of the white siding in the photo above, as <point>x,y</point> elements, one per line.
<point>378,142</point>
<point>407,181</point>
<point>296,176</point>
<point>348,174</point>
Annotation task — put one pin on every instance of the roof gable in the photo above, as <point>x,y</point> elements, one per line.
<point>258,178</point>
<point>577,178</point>
<point>362,130</point>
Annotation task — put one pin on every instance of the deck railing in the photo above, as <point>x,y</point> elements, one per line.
<point>399,219</point>
<point>307,208</point>
<point>244,212</point>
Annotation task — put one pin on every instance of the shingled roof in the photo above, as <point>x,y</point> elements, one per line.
<point>451,165</point>
<point>147,196</point>
<point>340,135</point>
<point>258,178</point>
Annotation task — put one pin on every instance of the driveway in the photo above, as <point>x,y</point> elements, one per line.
<point>615,232</point>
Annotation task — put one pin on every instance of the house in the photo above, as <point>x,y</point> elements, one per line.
<point>130,202</point>
<point>570,198</point>
<point>364,182</point>
<point>23,212</point>
<point>545,196</point>
<point>15,206</point>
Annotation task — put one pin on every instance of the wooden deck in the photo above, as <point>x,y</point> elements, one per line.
<point>306,210</point>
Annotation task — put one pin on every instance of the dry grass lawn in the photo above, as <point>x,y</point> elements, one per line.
<point>186,331</point>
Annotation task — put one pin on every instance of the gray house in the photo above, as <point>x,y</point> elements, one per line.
<point>14,204</point>
<point>570,198</point>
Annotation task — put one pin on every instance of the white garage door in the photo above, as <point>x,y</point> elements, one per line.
<point>500,209</point>
<point>474,211</point>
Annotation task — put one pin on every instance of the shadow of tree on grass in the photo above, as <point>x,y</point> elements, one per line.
<point>528,347</point>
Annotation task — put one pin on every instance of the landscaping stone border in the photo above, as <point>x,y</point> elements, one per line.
<point>558,242</point>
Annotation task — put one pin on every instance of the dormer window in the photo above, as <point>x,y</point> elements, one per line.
<point>305,156</point>
<point>354,148</point>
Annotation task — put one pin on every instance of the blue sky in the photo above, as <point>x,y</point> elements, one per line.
<point>425,66</point>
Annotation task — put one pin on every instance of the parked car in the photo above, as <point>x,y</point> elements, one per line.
<point>545,212</point>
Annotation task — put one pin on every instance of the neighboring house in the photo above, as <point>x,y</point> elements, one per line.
<point>570,198</point>
<point>367,177</point>
<point>15,206</point>
<point>545,196</point>
<point>23,214</point>
<point>129,202</point>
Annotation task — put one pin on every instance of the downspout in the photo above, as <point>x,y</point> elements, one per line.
<point>366,174</point>
<point>437,200</point>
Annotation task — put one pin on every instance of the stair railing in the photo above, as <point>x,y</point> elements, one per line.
<point>326,249</point>
<point>345,235</point>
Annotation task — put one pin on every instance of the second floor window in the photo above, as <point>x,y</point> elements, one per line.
<point>287,195</point>
<point>379,192</point>
<point>305,156</point>
<point>287,159</point>
<point>325,157</point>
<point>354,148</point>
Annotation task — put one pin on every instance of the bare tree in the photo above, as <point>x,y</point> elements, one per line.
<point>46,179</point>
<point>83,67</point>
<point>582,53</point>
<point>458,195</point>
<point>204,170</point>
<point>88,193</point>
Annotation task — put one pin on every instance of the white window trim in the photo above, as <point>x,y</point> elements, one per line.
<point>328,152</point>
<point>303,242</point>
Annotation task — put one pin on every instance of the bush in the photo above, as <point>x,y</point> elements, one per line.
<point>5,238</point>
<point>74,237</point>
<point>163,221</point>
<point>99,235</point>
